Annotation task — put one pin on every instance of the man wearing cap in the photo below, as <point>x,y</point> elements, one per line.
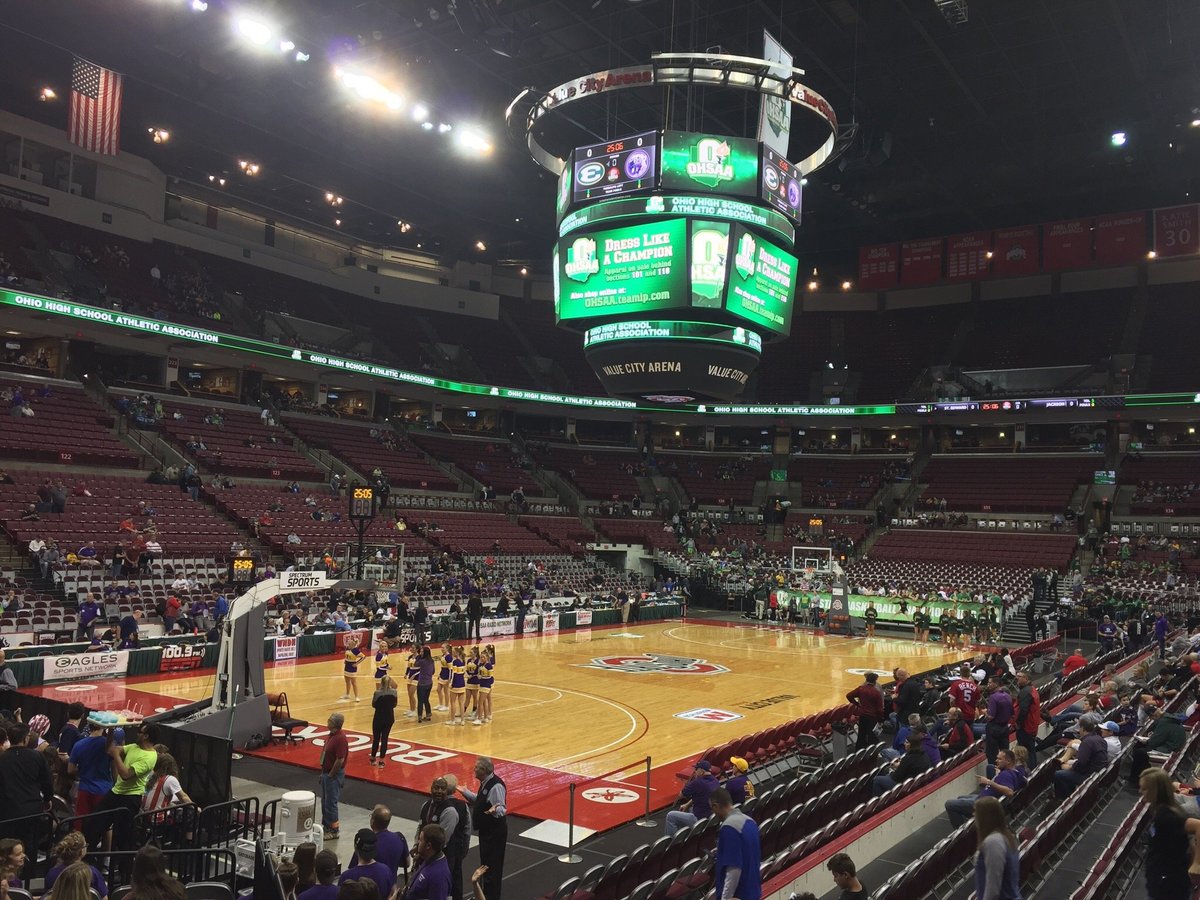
<point>693,799</point>
<point>739,786</point>
<point>1110,731</point>
<point>1006,781</point>
<point>368,866</point>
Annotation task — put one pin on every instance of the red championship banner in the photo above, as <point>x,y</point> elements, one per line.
<point>878,267</point>
<point>921,261</point>
<point>1015,251</point>
<point>1120,238</point>
<point>1067,244</point>
<point>1177,230</point>
<point>966,255</point>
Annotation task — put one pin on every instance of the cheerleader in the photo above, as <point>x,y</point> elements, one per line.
<point>472,704</point>
<point>443,678</point>
<point>411,670</point>
<point>487,678</point>
<point>381,660</point>
<point>354,658</point>
<point>458,686</point>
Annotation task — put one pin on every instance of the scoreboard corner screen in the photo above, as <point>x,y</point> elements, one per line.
<point>615,167</point>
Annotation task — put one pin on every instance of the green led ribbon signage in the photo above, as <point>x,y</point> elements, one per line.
<point>762,282</point>
<point>667,206</point>
<point>668,330</point>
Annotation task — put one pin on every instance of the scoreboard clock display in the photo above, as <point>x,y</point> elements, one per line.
<point>615,167</point>
<point>362,503</point>
<point>780,185</point>
<point>242,570</point>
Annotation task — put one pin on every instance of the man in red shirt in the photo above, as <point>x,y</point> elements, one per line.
<point>171,613</point>
<point>868,703</point>
<point>1075,661</point>
<point>333,774</point>
<point>965,694</point>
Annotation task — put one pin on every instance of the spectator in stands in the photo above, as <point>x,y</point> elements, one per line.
<point>489,816</point>
<point>88,760</point>
<point>1028,715</point>
<point>164,790</point>
<point>999,718</point>
<point>1161,627</point>
<point>25,793</point>
<point>998,864</point>
<point>333,774</point>
<point>1075,661</point>
<point>739,853</point>
<point>70,852</point>
<point>1091,757</point>
<point>75,882</point>
<point>454,817</point>
<point>89,612</point>
<point>913,763</point>
<point>898,742</point>
<point>367,866</point>
<point>907,699</point>
<point>88,556</point>
<point>70,733</point>
<point>1005,782</point>
<point>1167,850</point>
<point>129,631</point>
<point>958,735</point>
<point>431,878</point>
<point>151,880</point>
<point>845,876</point>
<point>326,867</point>
<point>1166,737</point>
<point>868,706</point>
<point>740,787</point>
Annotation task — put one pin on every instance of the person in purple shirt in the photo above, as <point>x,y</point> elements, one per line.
<point>694,797</point>
<point>68,851</point>
<point>1006,782</point>
<point>1161,626</point>
<point>364,849</point>
<point>999,719</point>
<point>928,742</point>
<point>431,880</point>
<point>326,866</point>
<point>1091,757</point>
<point>391,848</point>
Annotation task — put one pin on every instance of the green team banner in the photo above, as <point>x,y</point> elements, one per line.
<point>622,270</point>
<point>713,163</point>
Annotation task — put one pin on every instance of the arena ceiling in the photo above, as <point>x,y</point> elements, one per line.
<point>1003,119</point>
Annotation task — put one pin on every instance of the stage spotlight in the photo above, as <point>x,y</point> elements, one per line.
<point>250,168</point>
<point>480,246</point>
<point>1119,138</point>
<point>253,30</point>
<point>286,46</point>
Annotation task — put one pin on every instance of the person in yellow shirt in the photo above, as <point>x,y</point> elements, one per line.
<point>132,766</point>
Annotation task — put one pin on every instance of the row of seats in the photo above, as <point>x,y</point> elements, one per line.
<point>66,426</point>
<point>968,547</point>
<point>489,462</point>
<point>405,466</point>
<point>1007,484</point>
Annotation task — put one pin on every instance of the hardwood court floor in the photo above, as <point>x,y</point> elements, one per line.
<point>588,701</point>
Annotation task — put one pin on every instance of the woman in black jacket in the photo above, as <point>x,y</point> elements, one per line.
<point>384,703</point>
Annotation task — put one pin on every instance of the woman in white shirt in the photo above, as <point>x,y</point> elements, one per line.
<point>165,790</point>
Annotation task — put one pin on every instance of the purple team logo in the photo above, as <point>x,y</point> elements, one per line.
<point>637,165</point>
<point>793,193</point>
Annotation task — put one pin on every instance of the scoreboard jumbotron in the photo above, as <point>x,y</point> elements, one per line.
<point>675,261</point>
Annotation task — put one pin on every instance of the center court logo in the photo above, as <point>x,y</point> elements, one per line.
<point>643,663</point>
<point>581,260</point>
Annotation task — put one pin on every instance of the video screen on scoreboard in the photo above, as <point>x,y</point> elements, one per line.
<point>710,248</point>
<point>780,185</point>
<point>615,167</point>
<point>714,163</point>
<point>622,270</point>
<point>762,281</point>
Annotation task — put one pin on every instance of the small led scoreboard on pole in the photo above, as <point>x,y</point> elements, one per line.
<point>362,511</point>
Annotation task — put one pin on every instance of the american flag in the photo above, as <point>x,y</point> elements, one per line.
<point>95,115</point>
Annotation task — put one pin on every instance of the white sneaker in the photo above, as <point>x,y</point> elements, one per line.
<point>476,721</point>
<point>410,715</point>
<point>358,700</point>
<point>344,697</point>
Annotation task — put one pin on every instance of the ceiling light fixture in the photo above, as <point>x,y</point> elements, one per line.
<point>253,30</point>
<point>480,246</point>
<point>1118,138</point>
<point>48,93</point>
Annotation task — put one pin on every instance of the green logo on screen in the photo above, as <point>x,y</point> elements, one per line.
<point>744,261</point>
<point>581,260</point>
<point>710,162</point>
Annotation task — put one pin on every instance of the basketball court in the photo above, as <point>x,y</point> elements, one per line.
<point>587,706</point>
